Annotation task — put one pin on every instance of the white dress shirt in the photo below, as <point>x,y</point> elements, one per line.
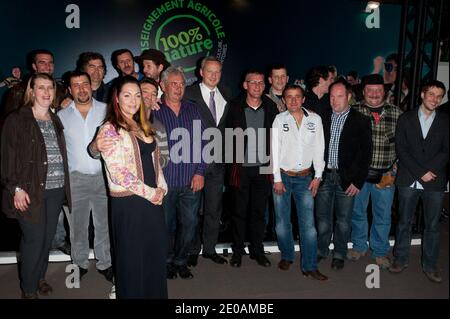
<point>296,149</point>
<point>425,125</point>
<point>218,98</point>
<point>78,133</point>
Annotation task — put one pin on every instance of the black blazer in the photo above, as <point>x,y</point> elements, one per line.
<point>417,155</point>
<point>355,148</point>
<point>194,94</point>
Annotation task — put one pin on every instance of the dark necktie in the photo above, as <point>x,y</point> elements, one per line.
<point>212,106</point>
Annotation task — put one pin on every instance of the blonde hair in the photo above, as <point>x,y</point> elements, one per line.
<point>29,98</point>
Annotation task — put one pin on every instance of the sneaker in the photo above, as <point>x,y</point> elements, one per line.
<point>433,276</point>
<point>112,294</point>
<point>355,255</point>
<point>383,262</point>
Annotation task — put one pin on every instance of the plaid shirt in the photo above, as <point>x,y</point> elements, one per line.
<point>383,134</point>
<point>337,123</point>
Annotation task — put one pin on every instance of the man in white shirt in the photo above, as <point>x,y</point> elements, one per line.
<point>81,119</point>
<point>297,146</point>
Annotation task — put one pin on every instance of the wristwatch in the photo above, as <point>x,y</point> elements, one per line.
<point>17,189</point>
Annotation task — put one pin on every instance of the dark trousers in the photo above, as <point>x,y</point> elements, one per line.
<point>208,229</point>
<point>250,201</point>
<point>37,239</point>
<point>432,206</point>
<point>180,210</point>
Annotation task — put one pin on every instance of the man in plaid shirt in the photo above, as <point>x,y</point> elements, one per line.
<point>383,117</point>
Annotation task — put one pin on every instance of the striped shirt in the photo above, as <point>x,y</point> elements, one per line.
<point>185,143</point>
<point>337,123</point>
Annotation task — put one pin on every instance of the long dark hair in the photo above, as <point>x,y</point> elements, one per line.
<point>115,116</point>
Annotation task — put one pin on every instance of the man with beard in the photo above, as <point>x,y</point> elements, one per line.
<point>81,119</point>
<point>383,118</point>
<point>123,61</point>
<point>93,63</point>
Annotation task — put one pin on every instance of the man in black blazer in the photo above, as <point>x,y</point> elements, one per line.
<point>421,140</point>
<point>248,173</point>
<point>348,151</point>
<point>212,101</point>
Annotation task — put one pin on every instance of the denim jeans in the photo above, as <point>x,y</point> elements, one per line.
<point>331,198</point>
<point>381,219</point>
<point>181,206</point>
<point>298,187</point>
<point>432,206</point>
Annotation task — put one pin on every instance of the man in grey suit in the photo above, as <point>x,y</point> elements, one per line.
<point>212,101</point>
<point>421,140</point>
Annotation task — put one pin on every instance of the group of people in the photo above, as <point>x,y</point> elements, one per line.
<point>316,147</point>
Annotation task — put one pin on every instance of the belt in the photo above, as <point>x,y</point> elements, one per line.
<point>305,172</point>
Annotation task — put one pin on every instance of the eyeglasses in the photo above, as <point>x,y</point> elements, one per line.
<point>260,83</point>
<point>389,67</point>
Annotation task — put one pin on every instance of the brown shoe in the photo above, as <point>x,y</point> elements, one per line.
<point>433,276</point>
<point>314,274</point>
<point>284,264</point>
<point>44,288</point>
<point>397,268</point>
<point>26,295</point>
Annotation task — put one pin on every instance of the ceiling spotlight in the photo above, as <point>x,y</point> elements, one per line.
<point>372,5</point>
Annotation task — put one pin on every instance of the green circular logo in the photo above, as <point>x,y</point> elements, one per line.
<point>185,32</point>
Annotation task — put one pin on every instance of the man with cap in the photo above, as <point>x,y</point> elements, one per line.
<point>151,63</point>
<point>383,117</point>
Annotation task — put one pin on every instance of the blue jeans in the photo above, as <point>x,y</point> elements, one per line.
<point>181,206</point>
<point>298,187</point>
<point>432,206</point>
<point>331,198</point>
<point>381,219</point>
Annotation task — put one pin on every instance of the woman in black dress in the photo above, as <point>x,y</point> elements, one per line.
<point>137,188</point>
